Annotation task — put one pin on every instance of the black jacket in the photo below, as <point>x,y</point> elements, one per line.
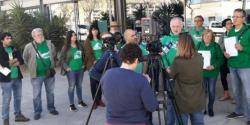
<point>4,61</point>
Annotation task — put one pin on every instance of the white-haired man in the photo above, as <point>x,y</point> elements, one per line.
<point>169,43</point>
<point>39,57</point>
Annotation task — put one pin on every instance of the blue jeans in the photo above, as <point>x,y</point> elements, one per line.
<point>170,117</point>
<point>75,80</point>
<point>37,91</point>
<point>240,84</point>
<point>7,88</point>
<point>210,85</point>
<point>196,118</point>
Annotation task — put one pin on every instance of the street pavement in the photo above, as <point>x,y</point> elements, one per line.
<point>67,117</point>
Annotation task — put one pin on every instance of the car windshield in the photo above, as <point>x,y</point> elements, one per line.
<point>216,25</point>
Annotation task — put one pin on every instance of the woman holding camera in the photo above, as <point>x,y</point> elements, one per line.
<point>71,59</point>
<point>211,72</point>
<point>187,73</point>
<point>93,50</point>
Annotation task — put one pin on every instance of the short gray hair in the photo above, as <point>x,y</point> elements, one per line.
<point>36,30</point>
<point>178,19</point>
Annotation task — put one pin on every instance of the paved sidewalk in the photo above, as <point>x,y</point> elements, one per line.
<point>98,117</point>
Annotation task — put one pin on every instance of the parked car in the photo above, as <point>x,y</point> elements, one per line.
<point>216,27</point>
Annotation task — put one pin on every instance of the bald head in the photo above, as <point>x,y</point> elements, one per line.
<point>176,25</point>
<point>130,36</point>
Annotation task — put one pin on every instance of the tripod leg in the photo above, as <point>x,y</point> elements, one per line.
<point>98,89</point>
<point>165,108</point>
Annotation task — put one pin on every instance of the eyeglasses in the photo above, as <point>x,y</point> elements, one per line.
<point>238,16</point>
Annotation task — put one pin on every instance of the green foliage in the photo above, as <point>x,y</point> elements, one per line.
<point>140,12</point>
<point>20,24</point>
<point>164,14</point>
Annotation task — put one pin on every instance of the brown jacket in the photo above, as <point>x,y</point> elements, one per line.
<point>188,89</point>
<point>89,55</point>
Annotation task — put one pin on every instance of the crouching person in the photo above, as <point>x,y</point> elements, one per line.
<point>11,58</point>
<point>128,94</point>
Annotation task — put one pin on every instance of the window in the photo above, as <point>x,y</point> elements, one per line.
<point>211,18</point>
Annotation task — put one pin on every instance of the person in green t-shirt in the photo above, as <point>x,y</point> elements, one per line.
<point>239,65</point>
<point>12,82</point>
<point>169,43</point>
<point>71,60</point>
<point>212,69</point>
<point>38,66</point>
<point>197,30</point>
<point>93,50</point>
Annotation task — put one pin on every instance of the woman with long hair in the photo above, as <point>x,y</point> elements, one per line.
<point>187,73</point>
<point>224,70</point>
<point>71,59</point>
<point>93,50</point>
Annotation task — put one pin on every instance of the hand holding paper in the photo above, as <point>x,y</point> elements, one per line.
<point>5,71</point>
<point>206,58</point>
<point>230,45</point>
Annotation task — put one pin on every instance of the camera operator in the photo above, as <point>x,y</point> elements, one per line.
<point>108,60</point>
<point>116,87</point>
<point>119,40</point>
<point>169,52</point>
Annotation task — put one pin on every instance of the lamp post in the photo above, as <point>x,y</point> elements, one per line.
<point>244,4</point>
<point>120,13</point>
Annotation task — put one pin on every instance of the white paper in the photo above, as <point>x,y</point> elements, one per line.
<point>206,58</point>
<point>230,46</point>
<point>5,71</point>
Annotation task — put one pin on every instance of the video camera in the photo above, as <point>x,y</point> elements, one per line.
<point>109,42</point>
<point>154,47</point>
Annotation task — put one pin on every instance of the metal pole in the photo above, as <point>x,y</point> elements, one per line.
<point>244,4</point>
<point>41,6</point>
<point>76,16</point>
<point>185,13</point>
<point>120,12</point>
<point>110,10</point>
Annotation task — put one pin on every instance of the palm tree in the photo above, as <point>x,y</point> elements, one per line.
<point>164,14</point>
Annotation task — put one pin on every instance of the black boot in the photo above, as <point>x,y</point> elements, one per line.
<point>6,122</point>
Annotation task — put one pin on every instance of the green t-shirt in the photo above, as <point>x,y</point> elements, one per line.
<point>169,49</point>
<point>43,49</point>
<point>139,67</point>
<point>97,48</point>
<point>196,34</point>
<point>76,61</point>
<point>14,69</point>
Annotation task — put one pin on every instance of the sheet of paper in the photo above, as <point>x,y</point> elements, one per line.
<point>206,58</point>
<point>230,46</point>
<point>5,71</point>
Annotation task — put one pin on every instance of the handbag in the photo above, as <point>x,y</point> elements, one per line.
<point>51,71</point>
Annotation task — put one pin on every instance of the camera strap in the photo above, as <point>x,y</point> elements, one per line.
<point>39,55</point>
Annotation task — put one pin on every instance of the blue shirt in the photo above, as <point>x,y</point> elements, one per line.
<point>128,96</point>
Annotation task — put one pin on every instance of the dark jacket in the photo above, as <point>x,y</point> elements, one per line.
<point>4,61</point>
<point>96,71</point>
<point>188,90</point>
<point>65,57</point>
<point>89,58</point>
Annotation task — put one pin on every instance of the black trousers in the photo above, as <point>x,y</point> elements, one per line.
<point>224,70</point>
<point>94,85</point>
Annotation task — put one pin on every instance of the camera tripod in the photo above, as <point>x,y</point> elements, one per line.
<point>108,64</point>
<point>161,85</point>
